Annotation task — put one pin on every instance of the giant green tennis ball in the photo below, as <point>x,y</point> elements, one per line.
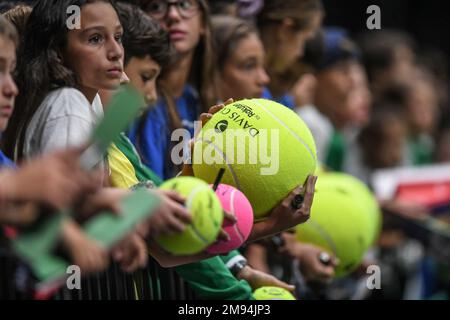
<point>264,147</point>
<point>272,293</point>
<point>340,222</point>
<point>207,217</point>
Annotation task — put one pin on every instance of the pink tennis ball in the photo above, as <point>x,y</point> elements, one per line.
<point>236,203</point>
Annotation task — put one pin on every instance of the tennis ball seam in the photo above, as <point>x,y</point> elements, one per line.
<point>287,128</point>
<point>325,236</point>
<point>235,179</point>
<point>236,226</point>
<point>189,204</point>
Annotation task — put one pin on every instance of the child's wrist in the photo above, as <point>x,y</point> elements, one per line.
<point>7,186</point>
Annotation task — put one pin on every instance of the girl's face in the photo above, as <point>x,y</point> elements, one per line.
<point>292,42</point>
<point>143,73</point>
<point>8,87</point>
<point>243,74</point>
<point>182,19</point>
<point>95,52</point>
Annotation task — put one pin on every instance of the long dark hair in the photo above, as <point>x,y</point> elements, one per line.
<point>40,68</point>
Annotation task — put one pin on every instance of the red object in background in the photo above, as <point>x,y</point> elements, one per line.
<point>429,194</point>
<point>10,232</point>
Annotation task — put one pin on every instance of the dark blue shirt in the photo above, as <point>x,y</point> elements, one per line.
<point>5,161</point>
<point>286,99</point>
<point>153,141</point>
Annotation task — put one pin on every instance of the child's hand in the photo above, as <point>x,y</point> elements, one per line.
<point>223,236</point>
<point>104,199</point>
<point>55,180</point>
<point>171,216</point>
<point>204,118</point>
<point>131,253</point>
<point>18,214</point>
<point>291,246</point>
<point>85,252</point>
<point>285,215</point>
<point>308,255</point>
<point>258,279</point>
<point>312,268</point>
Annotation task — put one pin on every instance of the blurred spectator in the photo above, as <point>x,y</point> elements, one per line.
<point>381,143</point>
<point>442,150</point>
<point>388,57</point>
<point>240,59</point>
<point>330,112</point>
<point>226,7</point>
<point>422,116</point>
<point>285,26</point>
<point>360,100</point>
<point>418,99</point>
<point>248,9</point>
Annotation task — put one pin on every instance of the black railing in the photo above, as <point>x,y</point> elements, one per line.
<point>150,283</point>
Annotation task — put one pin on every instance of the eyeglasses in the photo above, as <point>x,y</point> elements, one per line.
<point>158,9</point>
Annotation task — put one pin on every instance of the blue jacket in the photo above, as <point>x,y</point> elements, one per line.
<point>153,141</point>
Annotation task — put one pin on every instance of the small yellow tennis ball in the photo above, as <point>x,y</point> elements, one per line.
<point>272,293</point>
<point>264,147</point>
<point>207,217</point>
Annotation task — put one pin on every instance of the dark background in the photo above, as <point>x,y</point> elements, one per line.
<point>428,21</point>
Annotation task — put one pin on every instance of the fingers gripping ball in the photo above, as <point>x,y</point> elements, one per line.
<point>234,202</point>
<point>266,149</point>
<point>338,224</point>
<point>207,217</point>
<point>272,293</point>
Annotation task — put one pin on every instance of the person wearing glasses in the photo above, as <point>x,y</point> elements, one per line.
<point>185,86</point>
<point>285,26</point>
<point>187,91</point>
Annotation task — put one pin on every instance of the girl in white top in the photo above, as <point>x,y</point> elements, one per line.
<point>62,68</point>
<point>60,73</point>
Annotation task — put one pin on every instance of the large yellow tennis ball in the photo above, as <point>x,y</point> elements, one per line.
<point>272,293</point>
<point>207,217</point>
<point>264,147</point>
<point>339,222</point>
<point>362,194</point>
